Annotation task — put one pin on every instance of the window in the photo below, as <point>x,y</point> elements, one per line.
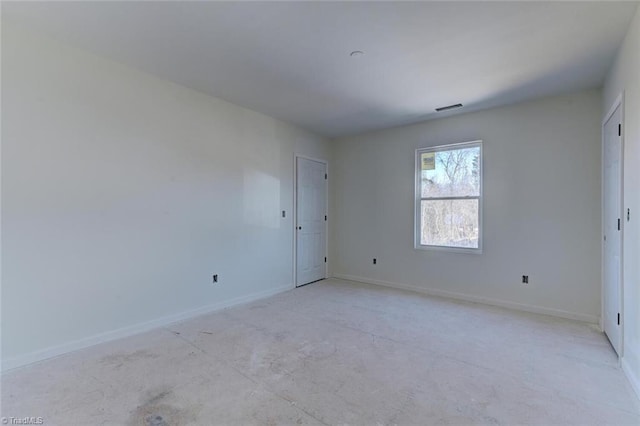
<point>449,197</point>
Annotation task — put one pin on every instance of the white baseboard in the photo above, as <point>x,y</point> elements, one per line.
<point>40,355</point>
<point>632,376</point>
<point>477,299</point>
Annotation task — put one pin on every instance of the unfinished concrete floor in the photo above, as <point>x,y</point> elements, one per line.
<point>337,352</point>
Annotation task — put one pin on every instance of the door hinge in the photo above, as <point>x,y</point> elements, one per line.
<point>618,318</point>
<point>619,129</point>
<point>618,224</point>
<point>325,260</point>
<point>325,176</point>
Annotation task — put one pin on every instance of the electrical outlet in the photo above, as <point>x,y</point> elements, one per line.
<point>215,278</point>
<point>525,279</point>
<point>375,261</point>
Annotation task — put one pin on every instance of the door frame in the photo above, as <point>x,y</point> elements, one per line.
<point>295,215</point>
<point>618,102</point>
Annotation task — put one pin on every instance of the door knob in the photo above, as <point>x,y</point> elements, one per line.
<point>300,228</point>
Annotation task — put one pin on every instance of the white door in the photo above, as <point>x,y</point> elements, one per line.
<point>311,210</point>
<point>612,225</point>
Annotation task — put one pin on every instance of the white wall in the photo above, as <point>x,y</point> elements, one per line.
<point>625,76</point>
<point>541,207</point>
<point>123,193</point>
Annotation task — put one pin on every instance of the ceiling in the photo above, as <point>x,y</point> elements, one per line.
<point>291,60</point>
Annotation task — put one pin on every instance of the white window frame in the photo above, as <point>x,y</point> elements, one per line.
<point>418,198</point>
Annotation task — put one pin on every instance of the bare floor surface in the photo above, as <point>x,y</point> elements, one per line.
<point>337,352</point>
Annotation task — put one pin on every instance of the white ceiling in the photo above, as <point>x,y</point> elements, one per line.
<point>291,60</point>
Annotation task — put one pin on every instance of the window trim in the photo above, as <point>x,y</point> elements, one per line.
<point>418,198</point>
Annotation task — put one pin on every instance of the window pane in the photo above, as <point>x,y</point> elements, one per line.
<point>449,223</point>
<point>451,173</point>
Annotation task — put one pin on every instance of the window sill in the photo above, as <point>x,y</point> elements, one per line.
<point>449,249</point>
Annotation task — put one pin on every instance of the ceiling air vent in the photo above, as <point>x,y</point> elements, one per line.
<point>447,108</point>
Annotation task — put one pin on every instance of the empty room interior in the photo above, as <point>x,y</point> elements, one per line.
<point>323,213</point>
